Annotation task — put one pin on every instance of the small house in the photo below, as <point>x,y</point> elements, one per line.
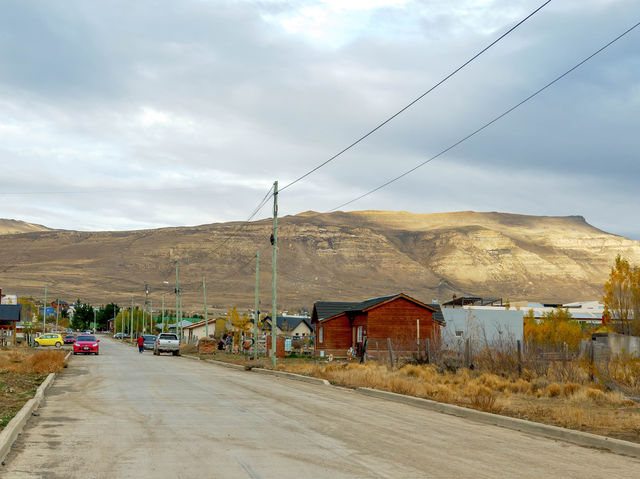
<point>193,332</point>
<point>10,316</point>
<point>292,326</point>
<point>402,319</point>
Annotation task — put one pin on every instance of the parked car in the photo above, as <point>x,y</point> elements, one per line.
<point>49,339</point>
<point>117,336</point>
<point>149,341</point>
<point>167,343</point>
<point>86,344</point>
<point>69,339</point>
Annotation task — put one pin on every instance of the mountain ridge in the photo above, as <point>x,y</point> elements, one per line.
<point>324,256</point>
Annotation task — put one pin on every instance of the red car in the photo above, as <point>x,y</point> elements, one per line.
<point>86,344</point>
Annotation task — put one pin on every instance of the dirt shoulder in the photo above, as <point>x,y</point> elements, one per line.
<point>21,372</point>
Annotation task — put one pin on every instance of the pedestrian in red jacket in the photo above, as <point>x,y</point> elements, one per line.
<point>140,342</point>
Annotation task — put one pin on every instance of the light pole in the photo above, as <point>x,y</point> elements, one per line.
<point>57,313</point>
<point>94,320</point>
<point>44,311</point>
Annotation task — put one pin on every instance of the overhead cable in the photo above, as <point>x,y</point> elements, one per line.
<point>409,105</point>
<point>489,123</point>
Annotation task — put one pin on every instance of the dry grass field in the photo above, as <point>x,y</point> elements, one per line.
<point>562,397</point>
<point>21,372</point>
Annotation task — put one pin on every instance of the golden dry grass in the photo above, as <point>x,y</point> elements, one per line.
<point>24,361</point>
<point>574,404</point>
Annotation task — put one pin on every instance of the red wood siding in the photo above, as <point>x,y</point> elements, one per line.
<point>336,336</point>
<point>397,320</point>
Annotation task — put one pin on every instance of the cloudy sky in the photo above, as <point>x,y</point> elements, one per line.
<point>122,115</point>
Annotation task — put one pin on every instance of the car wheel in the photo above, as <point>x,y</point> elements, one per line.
<point>58,344</point>
<point>36,345</point>
<point>97,352</point>
<point>74,353</point>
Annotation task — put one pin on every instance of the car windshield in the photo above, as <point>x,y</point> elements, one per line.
<point>86,338</point>
<point>148,337</point>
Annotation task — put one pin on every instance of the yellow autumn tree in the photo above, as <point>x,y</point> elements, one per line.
<point>552,330</point>
<point>240,324</point>
<point>622,297</point>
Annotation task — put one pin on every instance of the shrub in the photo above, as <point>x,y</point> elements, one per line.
<point>553,390</point>
<point>484,400</point>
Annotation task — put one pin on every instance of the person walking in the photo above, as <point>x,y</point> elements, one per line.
<point>140,343</point>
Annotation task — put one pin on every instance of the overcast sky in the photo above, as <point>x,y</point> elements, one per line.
<point>126,115</point>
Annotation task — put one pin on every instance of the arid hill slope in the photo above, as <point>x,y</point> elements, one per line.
<point>335,256</point>
<point>8,227</point>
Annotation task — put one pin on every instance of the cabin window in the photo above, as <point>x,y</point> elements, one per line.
<point>359,335</point>
<point>458,333</point>
<point>320,335</point>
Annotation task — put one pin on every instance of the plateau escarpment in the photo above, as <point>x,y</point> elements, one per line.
<point>324,257</point>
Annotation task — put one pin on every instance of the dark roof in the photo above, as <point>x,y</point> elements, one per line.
<point>474,300</point>
<point>328,309</point>
<point>292,322</point>
<point>10,312</point>
<point>437,315</point>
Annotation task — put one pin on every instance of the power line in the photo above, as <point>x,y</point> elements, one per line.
<point>402,110</point>
<point>486,125</point>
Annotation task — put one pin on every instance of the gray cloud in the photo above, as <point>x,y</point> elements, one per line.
<point>206,103</point>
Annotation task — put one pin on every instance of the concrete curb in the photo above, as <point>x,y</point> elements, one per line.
<point>580,438</point>
<point>297,377</point>
<point>282,374</point>
<point>10,433</point>
<point>238,367</point>
<point>195,358</point>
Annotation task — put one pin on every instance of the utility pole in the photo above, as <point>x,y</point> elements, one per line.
<point>274,242</point>
<point>44,311</point>
<point>177,291</point>
<point>131,319</point>
<point>204,294</point>
<point>94,320</point>
<point>114,321</point>
<point>146,305</point>
<point>57,312</point>
<point>163,328</point>
<point>256,313</point>
<point>151,325</point>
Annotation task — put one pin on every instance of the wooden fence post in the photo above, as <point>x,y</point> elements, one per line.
<point>564,355</point>
<point>390,351</point>
<point>363,358</point>
<point>426,349</point>
<point>519,358</point>
<point>591,360</point>
<point>467,353</point>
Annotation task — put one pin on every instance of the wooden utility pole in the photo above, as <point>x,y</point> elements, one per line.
<point>274,242</point>
<point>256,313</point>
<point>204,295</point>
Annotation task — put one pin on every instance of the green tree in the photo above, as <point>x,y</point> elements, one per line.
<point>82,315</point>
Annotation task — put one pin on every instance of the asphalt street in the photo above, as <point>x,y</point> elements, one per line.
<point>122,414</point>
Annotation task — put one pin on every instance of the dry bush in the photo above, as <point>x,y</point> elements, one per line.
<point>482,398</point>
<point>595,394</point>
<point>493,382</point>
<point>519,386</point>
<point>553,390</point>
<point>45,362</point>
<point>569,389</point>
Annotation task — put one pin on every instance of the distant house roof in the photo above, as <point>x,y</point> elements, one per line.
<point>474,300</point>
<point>10,312</point>
<point>200,323</point>
<point>289,322</point>
<point>328,309</point>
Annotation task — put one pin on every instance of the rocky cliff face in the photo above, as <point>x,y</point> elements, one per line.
<point>345,256</point>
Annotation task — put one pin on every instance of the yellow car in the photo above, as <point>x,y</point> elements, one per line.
<point>49,339</point>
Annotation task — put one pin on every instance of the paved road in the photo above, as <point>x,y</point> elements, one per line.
<point>122,414</point>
